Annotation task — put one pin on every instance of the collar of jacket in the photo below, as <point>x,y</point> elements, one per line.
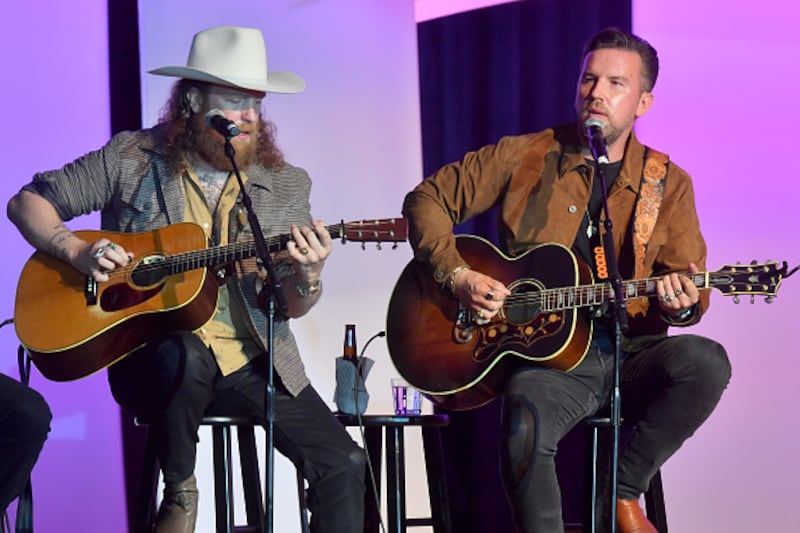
<point>571,158</point>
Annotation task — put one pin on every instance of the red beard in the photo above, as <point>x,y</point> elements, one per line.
<point>210,145</point>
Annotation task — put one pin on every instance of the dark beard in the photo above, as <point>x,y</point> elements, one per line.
<point>210,145</point>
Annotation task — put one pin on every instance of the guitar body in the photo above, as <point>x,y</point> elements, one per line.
<point>70,337</point>
<point>458,369</point>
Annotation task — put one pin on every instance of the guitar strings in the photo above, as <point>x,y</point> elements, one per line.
<point>242,250</point>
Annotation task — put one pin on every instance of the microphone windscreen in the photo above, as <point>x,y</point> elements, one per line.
<point>214,113</point>
<point>593,122</point>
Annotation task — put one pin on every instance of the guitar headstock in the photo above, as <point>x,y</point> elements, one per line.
<point>385,230</point>
<point>753,279</point>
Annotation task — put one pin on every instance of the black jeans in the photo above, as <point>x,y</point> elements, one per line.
<point>668,389</point>
<point>175,380</point>
<point>24,425</point>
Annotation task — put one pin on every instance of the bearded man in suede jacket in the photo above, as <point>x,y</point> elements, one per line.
<point>545,188</point>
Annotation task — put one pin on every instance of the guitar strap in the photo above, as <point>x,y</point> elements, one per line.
<point>648,203</point>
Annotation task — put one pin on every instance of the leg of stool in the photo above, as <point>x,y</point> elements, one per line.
<point>373,441</point>
<point>654,503</point>
<point>593,481</point>
<point>597,464</point>
<point>148,486</point>
<point>303,503</point>
<point>251,481</point>
<point>395,479</point>
<point>223,478</point>
<point>437,485</point>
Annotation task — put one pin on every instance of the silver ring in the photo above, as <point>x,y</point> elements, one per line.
<point>480,313</point>
<point>668,297</point>
<point>112,246</point>
<point>678,292</point>
<point>490,294</point>
<point>100,252</point>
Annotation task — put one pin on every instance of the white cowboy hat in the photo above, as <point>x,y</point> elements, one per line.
<point>235,57</point>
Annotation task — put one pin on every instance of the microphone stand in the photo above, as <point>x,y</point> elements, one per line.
<point>277,297</point>
<point>620,326</point>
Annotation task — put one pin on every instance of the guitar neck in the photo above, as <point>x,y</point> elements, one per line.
<point>228,253</point>
<point>561,298</point>
<point>384,230</point>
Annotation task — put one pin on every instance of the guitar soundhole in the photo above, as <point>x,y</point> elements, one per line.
<point>525,302</point>
<point>147,280</point>
<point>151,271</point>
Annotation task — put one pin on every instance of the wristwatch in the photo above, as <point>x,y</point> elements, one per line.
<point>308,290</point>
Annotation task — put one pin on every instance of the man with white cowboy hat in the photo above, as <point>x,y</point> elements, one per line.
<point>178,171</point>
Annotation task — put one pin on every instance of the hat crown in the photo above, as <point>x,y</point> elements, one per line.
<point>235,57</point>
<point>230,52</point>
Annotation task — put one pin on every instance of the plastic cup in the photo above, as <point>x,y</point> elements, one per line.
<point>407,400</point>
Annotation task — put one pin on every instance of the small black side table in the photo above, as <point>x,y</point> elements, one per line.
<point>393,427</point>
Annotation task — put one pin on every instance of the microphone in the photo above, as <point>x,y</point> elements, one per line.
<point>597,142</point>
<point>216,120</point>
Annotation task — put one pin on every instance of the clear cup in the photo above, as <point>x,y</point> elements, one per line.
<point>407,400</point>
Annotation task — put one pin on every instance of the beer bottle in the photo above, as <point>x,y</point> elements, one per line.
<point>350,352</point>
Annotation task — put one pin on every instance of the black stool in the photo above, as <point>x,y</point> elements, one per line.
<point>653,497</point>
<point>223,476</point>
<point>396,471</point>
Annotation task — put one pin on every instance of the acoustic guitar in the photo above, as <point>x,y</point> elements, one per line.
<point>438,346</point>
<point>73,326</point>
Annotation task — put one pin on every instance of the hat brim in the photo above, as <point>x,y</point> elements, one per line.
<point>276,82</point>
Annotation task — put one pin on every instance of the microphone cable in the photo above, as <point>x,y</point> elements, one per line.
<point>370,468</point>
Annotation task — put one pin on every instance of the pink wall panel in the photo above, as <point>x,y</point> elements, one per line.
<point>55,98</point>
<point>725,110</point>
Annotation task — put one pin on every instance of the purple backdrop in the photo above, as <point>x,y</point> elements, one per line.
<point>724,111</point>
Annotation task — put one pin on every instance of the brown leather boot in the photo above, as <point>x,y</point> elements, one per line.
<point>631,518</point>
<point>178,510</point>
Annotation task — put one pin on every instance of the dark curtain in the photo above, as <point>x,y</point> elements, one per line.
<point>126,114</point>
<point>497,71</point>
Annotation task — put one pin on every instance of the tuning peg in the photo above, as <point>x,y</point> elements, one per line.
<point>736,299</point>
<point>394,246</point>
<point>753,262</point>
<point>363,245</point>
<point>378,246</point>
<point>752,299</point>
<point>769,299</point>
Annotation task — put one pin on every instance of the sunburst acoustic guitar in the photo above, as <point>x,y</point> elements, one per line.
<point>439,348</point>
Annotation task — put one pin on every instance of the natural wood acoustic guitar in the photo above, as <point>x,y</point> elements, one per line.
<point>73,326</point>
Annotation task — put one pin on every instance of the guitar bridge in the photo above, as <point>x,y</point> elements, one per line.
<point>90,291</point>
<point>462,329</point>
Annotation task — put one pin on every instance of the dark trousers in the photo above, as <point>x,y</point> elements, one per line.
<point>175,380</point>
<point>24,425</point>
<point>668,389</point>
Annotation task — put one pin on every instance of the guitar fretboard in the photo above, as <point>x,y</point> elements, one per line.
<point>561,298</point>
<point>218,255</point>
<point>386,230</point>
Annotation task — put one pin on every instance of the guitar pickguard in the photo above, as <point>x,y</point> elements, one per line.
<point>518,326</point>
<point>120,296</point>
